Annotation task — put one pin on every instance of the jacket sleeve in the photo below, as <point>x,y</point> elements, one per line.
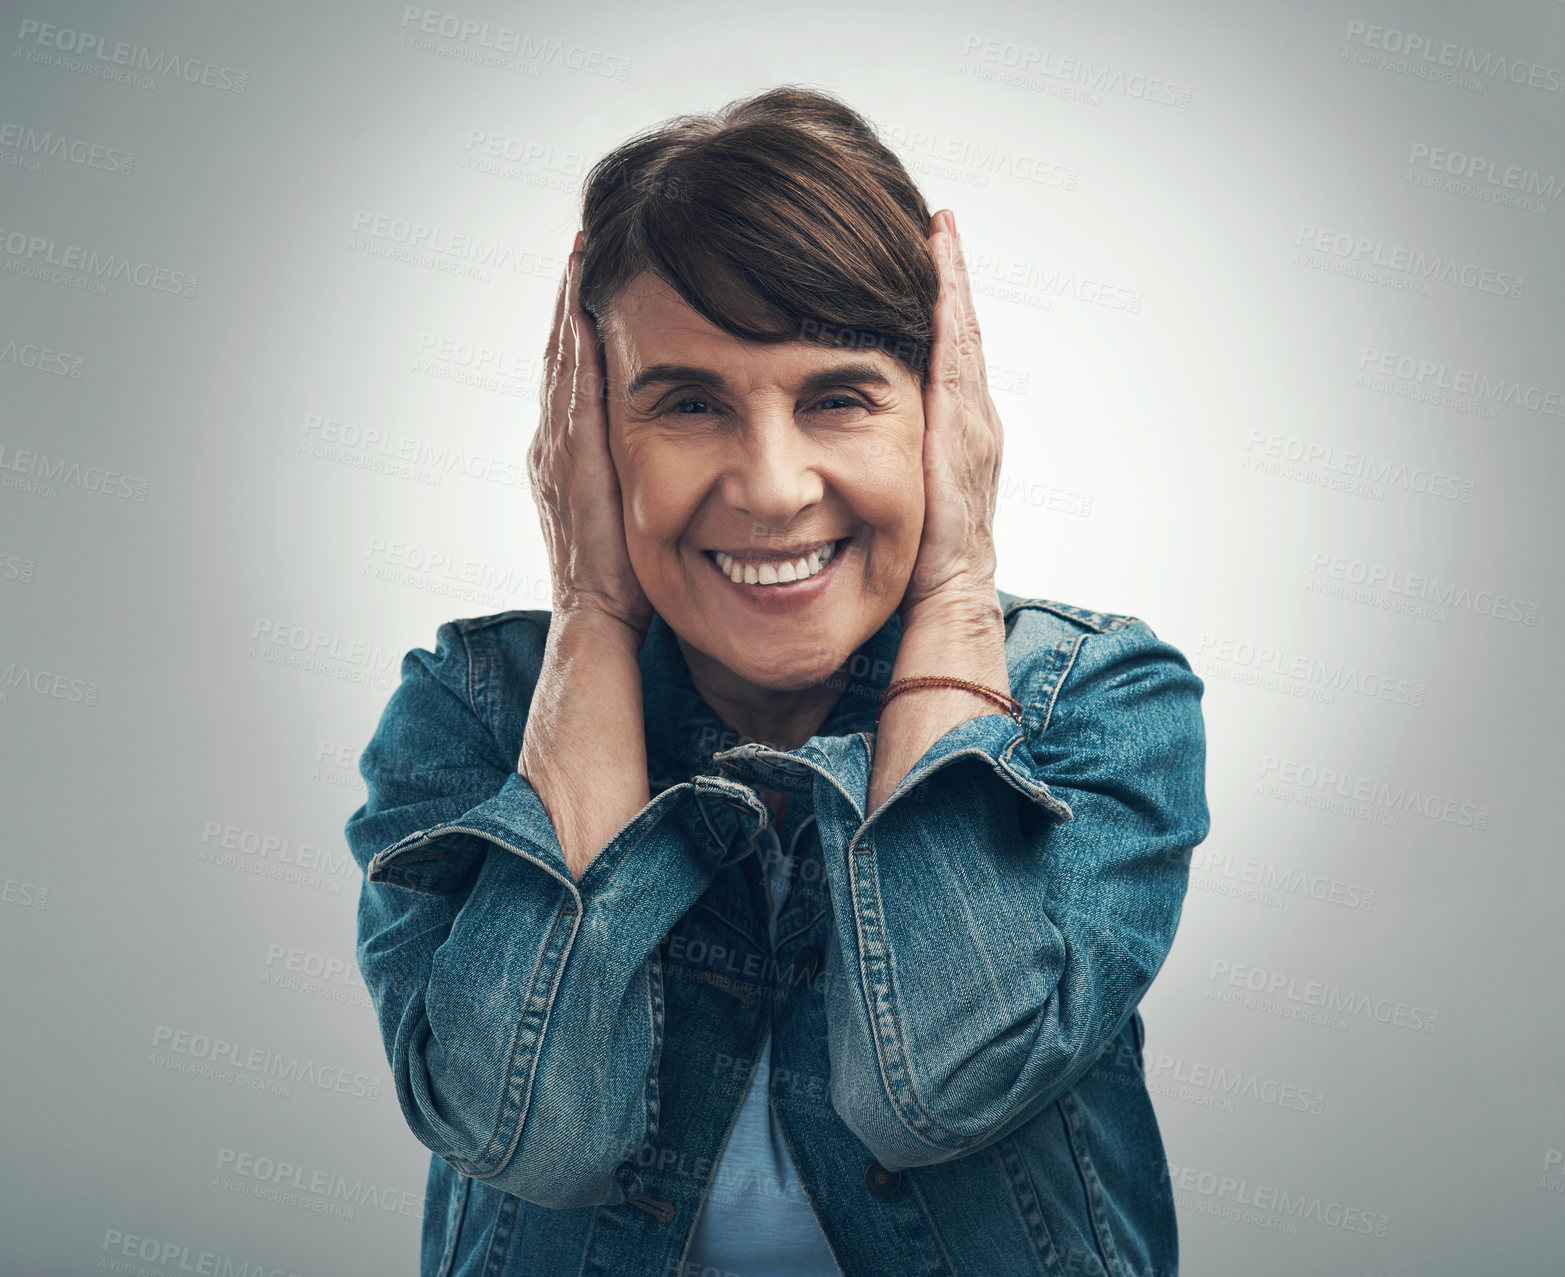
<point>521,1012</point>
<point>1002,914</point>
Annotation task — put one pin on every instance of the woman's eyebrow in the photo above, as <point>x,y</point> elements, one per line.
<point>854,372</point>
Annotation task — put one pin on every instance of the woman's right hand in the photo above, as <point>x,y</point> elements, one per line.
<point>584,747</point>
<point>573,479</point>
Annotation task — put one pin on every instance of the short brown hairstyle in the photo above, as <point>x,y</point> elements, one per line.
<point>779,217</point>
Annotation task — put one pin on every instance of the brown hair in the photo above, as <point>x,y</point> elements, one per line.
<point>780,217</point>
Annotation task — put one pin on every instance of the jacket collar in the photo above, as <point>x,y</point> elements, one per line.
<point>683,731</point>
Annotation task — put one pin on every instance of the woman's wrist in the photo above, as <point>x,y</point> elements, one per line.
<point>595,623</point>
<point>584,746</point>
<point>969,611</point>
<point>960,636</point>
<point>586,614</point>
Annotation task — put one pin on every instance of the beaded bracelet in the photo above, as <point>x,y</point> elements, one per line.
<point>1009,704</point>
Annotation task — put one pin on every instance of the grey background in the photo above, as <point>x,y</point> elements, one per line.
<point>1174,323</point>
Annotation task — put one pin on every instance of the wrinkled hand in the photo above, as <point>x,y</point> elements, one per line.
<point>573,479</point>
<point>962,447</point>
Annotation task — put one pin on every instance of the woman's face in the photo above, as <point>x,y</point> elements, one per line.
<point>795,467</point>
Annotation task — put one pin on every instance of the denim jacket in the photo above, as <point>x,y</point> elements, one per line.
<point>953,990</point>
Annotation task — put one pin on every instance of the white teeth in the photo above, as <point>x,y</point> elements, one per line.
<point>774,573</point>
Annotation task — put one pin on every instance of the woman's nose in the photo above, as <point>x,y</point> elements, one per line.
<point>772,477</point>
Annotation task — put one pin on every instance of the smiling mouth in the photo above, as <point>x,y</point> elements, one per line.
<point>743,571</point>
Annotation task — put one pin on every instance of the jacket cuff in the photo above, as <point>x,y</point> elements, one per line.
<point>845,763</point>
<point>445,858</point>
<point>1001,742</point>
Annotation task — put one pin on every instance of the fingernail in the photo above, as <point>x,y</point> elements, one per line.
<point>951,217</point>
<point>576,247</point>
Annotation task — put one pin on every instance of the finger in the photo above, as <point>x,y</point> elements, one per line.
<point>945,371</point>
<point>971,339</point>
<point>587,424</point>
<point>589,356</point>
<point>556,332</point>
<point>553,349</point>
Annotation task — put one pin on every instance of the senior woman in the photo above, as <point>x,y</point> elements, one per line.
<point>780,903</point>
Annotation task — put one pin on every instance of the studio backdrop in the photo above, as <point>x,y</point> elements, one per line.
<point>1273,299</point>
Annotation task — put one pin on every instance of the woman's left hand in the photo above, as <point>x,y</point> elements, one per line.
<point>962,446</point>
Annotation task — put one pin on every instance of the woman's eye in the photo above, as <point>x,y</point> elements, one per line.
<point>679,404</point>
<point>833,402</point>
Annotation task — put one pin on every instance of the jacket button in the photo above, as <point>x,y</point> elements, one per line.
<point>880,1181</point>
<point>807,963</point>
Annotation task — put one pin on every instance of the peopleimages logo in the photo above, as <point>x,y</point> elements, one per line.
<point>1295,776</point>
<point>1238,1194</point>
<point>1361,473</point>
<point>1051,281</point>
<point>1436,381</point>
<point>1237,1083</point>
<point>488,44</point>
<point>97,55</point>
<point>1268,884</point>
<point>34,256</point>
<point>445,250</point>
<point>1359,253</point>
<point>1387,585</point>
<point>1288,996</point>
<point>422,460</point>
<point>1317,679</point>
<point>125,1253</point>
<point>1425,54</point>
<point>1028,63</point>
<point>1454,172</point>
<point>33,145</point>
<point>44,359</point>
<point>284,1180</point>
<point>58,470</point>
<point>188,1049</point>
<point>985,159</point>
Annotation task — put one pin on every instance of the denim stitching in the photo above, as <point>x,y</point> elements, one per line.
<point>1024,1194</point>
<point>911,1180</point>
<point>793,851</point>
<point>455,1213</point>
<point>873,951</point>
<point>512,1106</point>
<point>1060,681</point>
<point>655,1007</point>
<point>803,929</point>
<point>1091,1184</point>
<point>727,921</point>
<point>504,1231</point>
<point>604,863</point>
<point>869,912</point>
<point>472,681</point>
